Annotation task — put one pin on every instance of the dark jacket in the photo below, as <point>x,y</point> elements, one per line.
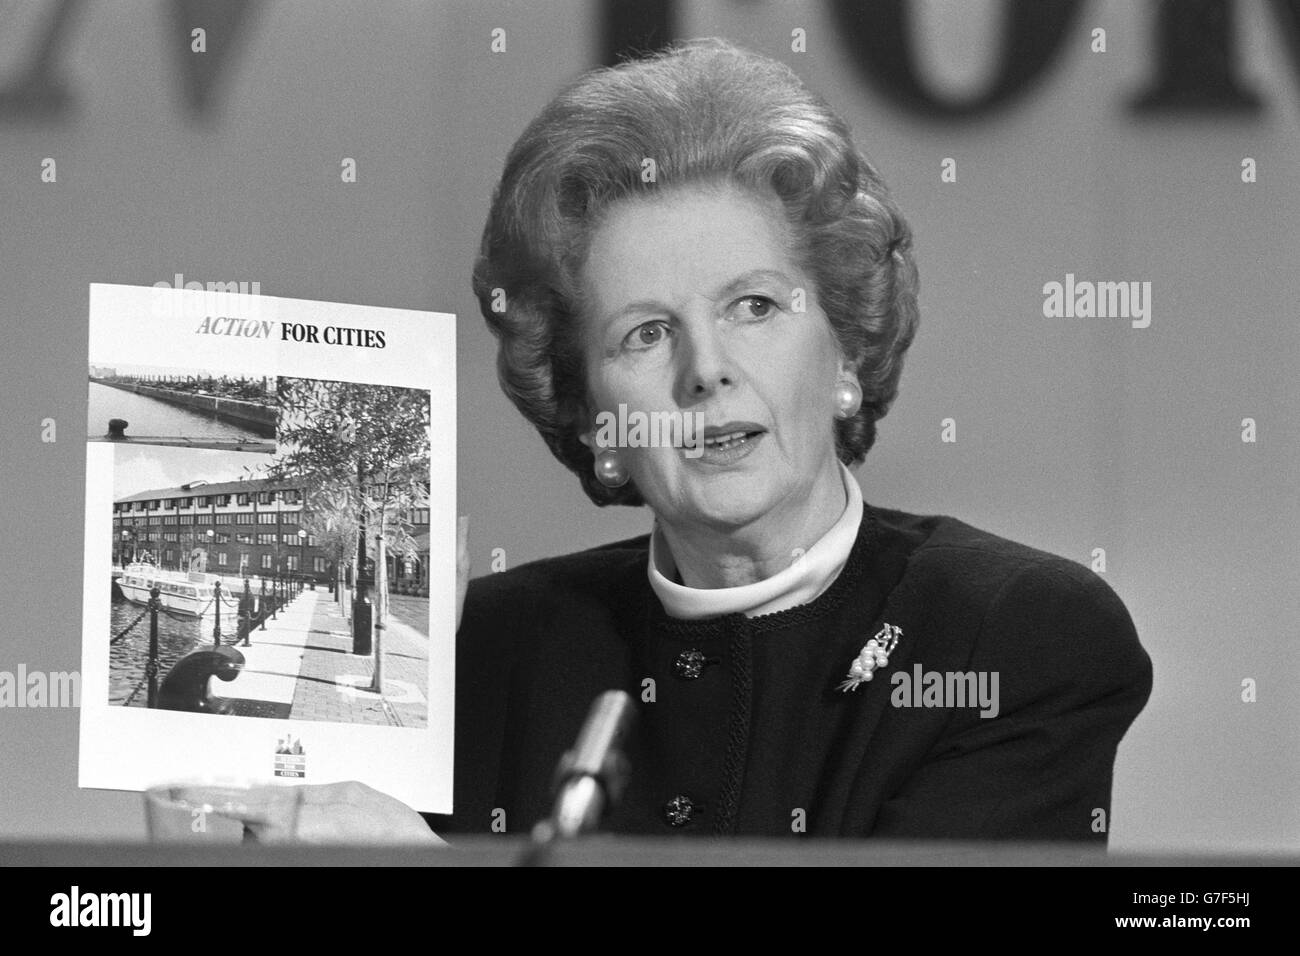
<point>742,727</point>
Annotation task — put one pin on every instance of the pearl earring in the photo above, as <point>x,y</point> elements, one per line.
<point>610,470</point>
<point>848,399</point>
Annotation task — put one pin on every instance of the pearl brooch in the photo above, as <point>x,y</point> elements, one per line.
<point>875,653</point>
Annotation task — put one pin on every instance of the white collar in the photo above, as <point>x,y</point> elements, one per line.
<point>803,581</point>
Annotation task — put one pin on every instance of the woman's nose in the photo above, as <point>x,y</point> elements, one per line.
<point>704,363</point>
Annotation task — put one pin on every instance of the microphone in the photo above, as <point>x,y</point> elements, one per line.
<point>592,776</point>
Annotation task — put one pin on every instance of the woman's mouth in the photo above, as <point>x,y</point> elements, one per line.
<point>729,443</point>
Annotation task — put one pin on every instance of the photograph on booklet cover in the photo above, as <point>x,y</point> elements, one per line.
<point>188,408</point>
<point>281,615</point>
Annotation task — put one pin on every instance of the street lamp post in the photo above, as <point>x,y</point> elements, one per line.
<point>132,533</point>
<point>275,587</point>
<point>302,556</point>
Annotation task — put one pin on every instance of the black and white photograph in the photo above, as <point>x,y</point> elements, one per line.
<point>234,584</point>
<point>187,408</point>
<point>674,432</point>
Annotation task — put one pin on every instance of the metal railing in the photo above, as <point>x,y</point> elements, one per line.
<point>251,613</point>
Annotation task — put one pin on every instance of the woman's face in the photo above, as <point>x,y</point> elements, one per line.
<point>696,304</point>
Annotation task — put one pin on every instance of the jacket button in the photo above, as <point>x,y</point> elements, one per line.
<point>679,810</point>
<point>689,664</point>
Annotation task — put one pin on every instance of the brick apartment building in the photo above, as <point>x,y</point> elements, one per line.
<point>248,528</point>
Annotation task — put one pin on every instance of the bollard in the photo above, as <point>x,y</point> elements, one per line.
<point>362,625</point>
<point>151,666</point>
<point>117,429</point>
<point>216,605</point>
<point>187,685</point>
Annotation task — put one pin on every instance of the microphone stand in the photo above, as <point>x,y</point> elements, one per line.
<point>589,780</point>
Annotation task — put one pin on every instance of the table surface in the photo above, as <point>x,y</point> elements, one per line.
<point>506,850</point>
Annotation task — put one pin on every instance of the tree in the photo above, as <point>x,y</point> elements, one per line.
<point>361,454</point>
<point>332,519</point>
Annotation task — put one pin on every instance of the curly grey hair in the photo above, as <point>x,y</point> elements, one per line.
<point>705,111</point>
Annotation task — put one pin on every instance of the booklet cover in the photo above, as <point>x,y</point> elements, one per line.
<point>270,543</point>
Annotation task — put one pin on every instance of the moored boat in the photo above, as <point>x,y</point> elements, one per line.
<point>181,592</point>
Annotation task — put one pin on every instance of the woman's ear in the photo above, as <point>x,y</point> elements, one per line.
<point>588,425</point>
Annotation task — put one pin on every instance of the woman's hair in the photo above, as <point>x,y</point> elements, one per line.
<point>702,111</point>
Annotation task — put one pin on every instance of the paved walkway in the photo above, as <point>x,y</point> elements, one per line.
<point>302,667</point>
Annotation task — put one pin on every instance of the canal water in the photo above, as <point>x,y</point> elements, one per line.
<point>177,636</point>
<point>150,418</point>
<point>126,659</point>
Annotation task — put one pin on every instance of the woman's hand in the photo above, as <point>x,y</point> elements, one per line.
<point>329,813</point>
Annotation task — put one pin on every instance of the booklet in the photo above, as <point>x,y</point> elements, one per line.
<point>270,543</point>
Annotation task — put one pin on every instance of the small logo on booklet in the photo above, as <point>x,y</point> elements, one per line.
<point>290,758</point>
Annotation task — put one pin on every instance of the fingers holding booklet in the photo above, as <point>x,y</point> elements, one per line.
<point>349,812</point>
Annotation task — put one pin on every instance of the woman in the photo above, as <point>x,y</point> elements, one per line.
<point>694,235</point>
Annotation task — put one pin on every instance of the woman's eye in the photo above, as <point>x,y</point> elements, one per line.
<point>756,307</point>
<point>647,336</point>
